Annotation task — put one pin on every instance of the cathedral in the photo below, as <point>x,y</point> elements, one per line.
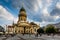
<point>23,26</point>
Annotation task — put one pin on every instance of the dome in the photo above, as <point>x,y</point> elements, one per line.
<point>22,9</point>
<point>22,12</point>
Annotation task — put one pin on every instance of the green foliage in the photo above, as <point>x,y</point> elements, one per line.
<point>50,29</point>
<point>40,30</point>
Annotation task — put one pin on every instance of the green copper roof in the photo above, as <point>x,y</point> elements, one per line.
<point>22,14</point>
<point>22,9</point>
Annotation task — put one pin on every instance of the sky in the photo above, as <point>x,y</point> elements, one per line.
<point>42,12</point>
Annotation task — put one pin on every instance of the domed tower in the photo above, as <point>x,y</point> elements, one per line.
<point>22,15</point>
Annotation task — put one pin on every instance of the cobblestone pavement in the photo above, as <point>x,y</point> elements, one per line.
<point>30,37</point>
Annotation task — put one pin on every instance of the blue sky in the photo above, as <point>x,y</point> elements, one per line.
<point>42,12</point>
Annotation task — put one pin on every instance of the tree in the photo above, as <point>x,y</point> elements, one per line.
<point>2,29</point>
<point>50,29</point>
<point>40,31</point>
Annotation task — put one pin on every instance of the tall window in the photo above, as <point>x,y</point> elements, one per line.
<point>20,18</point>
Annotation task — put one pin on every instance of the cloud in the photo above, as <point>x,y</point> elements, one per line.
<point>58,5</point>
<point>43,11</point>
<point>44,23</point>
<point>55,14</point>
<point>56,11</point>
<point>35,7</point>
<point>56,17</point>
<point>5,16</point>
<point>39,2</point>
<point>49,1</point>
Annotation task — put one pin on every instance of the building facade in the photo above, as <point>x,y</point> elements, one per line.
<point>22,25</point>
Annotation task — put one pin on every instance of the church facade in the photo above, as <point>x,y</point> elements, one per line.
<point>22,25</point>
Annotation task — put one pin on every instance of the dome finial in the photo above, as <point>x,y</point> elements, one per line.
<point>22,9</point>
<point>22,4</point>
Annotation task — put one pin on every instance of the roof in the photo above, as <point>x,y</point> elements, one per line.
<point>22,9</point>
<point>24,24</point>
<point>22,13</point>
<point>32,23</point>
<point>10,26</point>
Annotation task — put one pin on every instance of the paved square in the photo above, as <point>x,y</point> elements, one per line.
<point>30,37</point>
